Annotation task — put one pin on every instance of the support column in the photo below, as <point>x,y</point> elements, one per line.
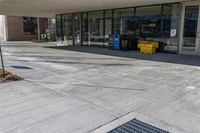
<point>38,28</point>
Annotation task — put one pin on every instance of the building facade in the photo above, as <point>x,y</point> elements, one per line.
<point>3,27</point>
<point>175,25</point>
<point>16,28</point>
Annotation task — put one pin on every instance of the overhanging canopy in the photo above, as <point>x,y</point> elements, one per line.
<point>48,8</point>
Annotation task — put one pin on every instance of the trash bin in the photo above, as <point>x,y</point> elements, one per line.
<point>129,42</point>
<point>148,47</point>
<point>124,42</point>
<point>161,47</point>
<point>111,41</point>
<point>133,43</point>
<point>116,41</point>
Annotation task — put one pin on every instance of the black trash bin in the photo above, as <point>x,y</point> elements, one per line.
<point>129,42</point>
<point>124,43</point>
<point>161,47</point>
<point>133,42</point>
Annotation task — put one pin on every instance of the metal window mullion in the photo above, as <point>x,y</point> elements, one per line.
<point>73,29</point>
<point>104,26</point>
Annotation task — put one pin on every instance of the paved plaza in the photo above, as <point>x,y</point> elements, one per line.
<point>86,89</point>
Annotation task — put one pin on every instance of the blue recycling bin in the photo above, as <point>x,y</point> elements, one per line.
<point>116,41</point>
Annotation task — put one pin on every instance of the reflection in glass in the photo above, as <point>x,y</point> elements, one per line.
<point>148,23</point>
<point>124,20</point>
<point>108,26</point>
<point>170,22</point>
<point>58,27</point>
<point>77,28</point>
<point>190,26</point>
<point>67,29</point>
<point>95,28</point>
<point>151,23</point>
<point>85,35</point>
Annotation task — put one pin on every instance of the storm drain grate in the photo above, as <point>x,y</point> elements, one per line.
<point>136,126</point>
<point>21,67</point>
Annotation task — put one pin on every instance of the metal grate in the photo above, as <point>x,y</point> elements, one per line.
<point>21,67</point>
<point>136,126</point>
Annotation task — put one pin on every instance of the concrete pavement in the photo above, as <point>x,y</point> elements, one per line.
<point>69,91</point>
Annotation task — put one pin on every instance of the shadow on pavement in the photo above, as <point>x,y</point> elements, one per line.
<point>161,57</point>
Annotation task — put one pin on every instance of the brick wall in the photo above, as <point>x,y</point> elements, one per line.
<point>16,29</point>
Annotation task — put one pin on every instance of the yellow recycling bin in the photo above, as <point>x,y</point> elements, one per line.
<point>148,47</point>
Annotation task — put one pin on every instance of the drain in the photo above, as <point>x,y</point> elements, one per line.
<point>136,126</point>
<point>21,67</point>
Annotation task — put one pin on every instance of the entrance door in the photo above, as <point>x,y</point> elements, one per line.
<point>77,28</point>
<point>190,29</point>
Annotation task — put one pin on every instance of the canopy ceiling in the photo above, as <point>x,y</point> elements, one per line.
<point>48,8</point>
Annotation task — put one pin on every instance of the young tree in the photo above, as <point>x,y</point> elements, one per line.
<point>2,62</point>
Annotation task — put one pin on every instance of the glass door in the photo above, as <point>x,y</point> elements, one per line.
<point>67,29</point>
<point>190,34</point>
<point>95,28</point>
<point>77,28</point>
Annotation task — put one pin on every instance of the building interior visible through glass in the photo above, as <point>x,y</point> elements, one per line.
<point>190,26</point>
<point>151,23</point>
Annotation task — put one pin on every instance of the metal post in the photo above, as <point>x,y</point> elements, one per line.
<point>104,26</point>
<point>2,63</point>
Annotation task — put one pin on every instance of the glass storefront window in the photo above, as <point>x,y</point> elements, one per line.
<point>170,23</point>
<point>85,34</point>
<point>77,28</point>
<point>148,23</point>
<point>190,26</point>
<point>124,20</point>
<point>95,28</point>
<point>108,26</point>
<point>151,23</point>
<point>67,29</point>
<point>58,27</point>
